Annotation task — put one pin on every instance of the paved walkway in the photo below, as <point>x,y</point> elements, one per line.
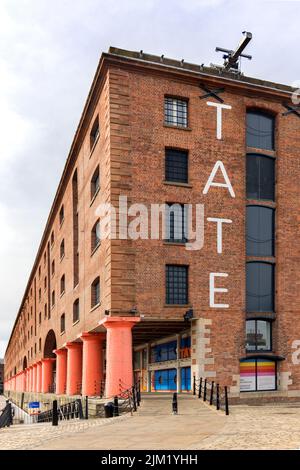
<point>197,426</point>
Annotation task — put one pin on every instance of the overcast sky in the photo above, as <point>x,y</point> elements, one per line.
<point>49,50</point>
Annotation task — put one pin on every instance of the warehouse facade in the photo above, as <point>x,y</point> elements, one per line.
<point>214,294</point>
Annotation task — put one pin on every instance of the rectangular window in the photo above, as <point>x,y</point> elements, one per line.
<point>61,215</point>
<point>76,311</point>
<point>257,375</point>
<point>258,335</point>
<point>260,231</point>
<point>176,112</point>
<point>176,285</point>
<point>260,177</point>
<point>95,291</point>
<point>176,166</point>
<point>260,287</point>
<point>176,223</point>
<point>260,130</point>
<point>62,323</point>
<point>95,133</point>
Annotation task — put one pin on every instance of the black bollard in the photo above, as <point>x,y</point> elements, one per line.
<point>116,406</point>
<point>175,404</point>
<point>54,414</point>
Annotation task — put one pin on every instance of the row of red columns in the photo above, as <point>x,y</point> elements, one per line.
<point>79,365</point>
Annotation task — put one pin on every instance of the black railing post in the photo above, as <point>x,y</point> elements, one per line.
<point>194,385</point>
<point>86,407</point>
<point>200,388</point>
<point>134,398</point>
<point>218,397</point>
<point>139,392</point>
<point>175,404</point>
<point>116,407</point>
<point>211,393</point>
<point>204,392</point>
<point>226,401</point>
<point>54,413</point>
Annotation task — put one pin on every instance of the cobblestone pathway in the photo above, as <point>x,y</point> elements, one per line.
<point>197,426</point>
<point>266,427</point>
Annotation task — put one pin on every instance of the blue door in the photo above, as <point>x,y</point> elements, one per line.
<point>186,379</point>
<point>165,380</point>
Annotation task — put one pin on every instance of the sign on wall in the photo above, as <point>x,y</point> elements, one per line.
<point>257,375</point>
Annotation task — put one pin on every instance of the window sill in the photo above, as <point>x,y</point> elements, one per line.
<point>62,257</point>
<point>94,196</point>
<point>95,307</point>
<point>75,322</point>
<point>95,249</point>
<point>94,146</point>
<point>62,333</point>
<point>170,126</point>
<point>61,223</point>
<point>176,183</point>
<point>177,306</point>
<point>62,294</point>
<point>175,243</point>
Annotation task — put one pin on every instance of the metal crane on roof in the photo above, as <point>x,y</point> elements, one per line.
<point>232,58</point>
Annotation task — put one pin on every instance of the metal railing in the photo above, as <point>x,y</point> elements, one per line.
<point>61,412</point>
<point>212,392</point>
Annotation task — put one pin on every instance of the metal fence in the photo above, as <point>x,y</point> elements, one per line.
<point>212,393</point>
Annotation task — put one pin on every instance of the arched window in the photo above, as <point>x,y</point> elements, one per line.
<point>62,249</point>
<point>95,292</point>
<point>95,133</point>
<point>76,312</point>
<point>260,130</point>
<point>63,323</point>
<point>62,284</point>
<point>260,231</point>
<point>95,183</point>
<point>258,335</point>
<point>95,236</point>
<point>260,177</point>
<point>260,287</point>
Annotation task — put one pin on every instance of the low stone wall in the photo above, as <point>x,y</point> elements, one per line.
<point>95,405</point>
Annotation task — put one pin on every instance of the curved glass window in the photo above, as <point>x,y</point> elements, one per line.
<point>260,231</point>
<point>260,130</point>
<point>260,287</point>
<point>260,177</point>
<point>258,335</point>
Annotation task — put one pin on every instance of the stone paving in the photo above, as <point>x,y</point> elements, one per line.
<point>197,426</point>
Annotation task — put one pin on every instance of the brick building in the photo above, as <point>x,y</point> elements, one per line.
<point>1,376</point>
<point>98,310</point>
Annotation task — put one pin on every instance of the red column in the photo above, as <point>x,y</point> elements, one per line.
<point>34,371</point>
<point>74,368</point>
<point>23,388</point>
<point>39,377</point>
<point>47,374</point>
<point>92,363</point>
<point>119,370</point>
<point>29,374</point>
<point>61,371</point>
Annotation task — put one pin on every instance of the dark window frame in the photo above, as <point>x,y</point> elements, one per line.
<point>76,311</point>
<point>173,297</point>
<point>95,240</point>
<point>256,350</point>
<point>170,223</point>
<point>95,132</point>
<point>95,183</point>
<point>259,242</point>
<point>273,293</point>
<point>260,157</point>
<point>62,323</point>
<point>253,133</point>
<point>182,115</point>
<point>95,292</point>
<point>176,169</point>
